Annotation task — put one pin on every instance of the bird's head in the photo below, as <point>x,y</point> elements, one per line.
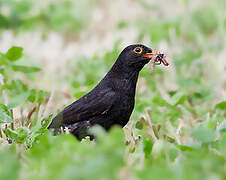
<point>135,56</point>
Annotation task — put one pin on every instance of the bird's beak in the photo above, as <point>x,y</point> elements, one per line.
<point>150,55</point>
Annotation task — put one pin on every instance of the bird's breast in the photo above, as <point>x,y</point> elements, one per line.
<point>123,109</point>
<point>125,88</point>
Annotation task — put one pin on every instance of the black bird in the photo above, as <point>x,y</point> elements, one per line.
<point>111,102</point>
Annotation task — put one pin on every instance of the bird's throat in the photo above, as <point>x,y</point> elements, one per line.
<point>123,81</point>
<point>122,78</point>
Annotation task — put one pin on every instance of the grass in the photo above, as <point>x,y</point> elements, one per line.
<point>178,127</point>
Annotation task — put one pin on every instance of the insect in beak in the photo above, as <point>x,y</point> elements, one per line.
<point>160,57</point>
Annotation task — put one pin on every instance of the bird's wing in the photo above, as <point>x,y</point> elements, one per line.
<point>92,104</point>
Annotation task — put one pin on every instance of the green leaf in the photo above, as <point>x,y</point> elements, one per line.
<point>170,139</point>
<point>160,101</point>
<point>3,59</point>
<point>140,123</point>
<point>32,95</point>
<point>5,118</point>
<point>5,109</point>
<point>184,148</point>
<point>221,105</point>
<point>5,114</point>
<point>11,133</point>
<point>178,98</point>
<point>14,53</point>
<point>147,148</point>
<point>25,69</point>
<point>41,96</point>
<point>19,135</point>
<point>222,127</point>
<point>42,124</point>
<point>203,134</point>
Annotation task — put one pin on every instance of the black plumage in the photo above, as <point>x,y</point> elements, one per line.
<point>111,102</point>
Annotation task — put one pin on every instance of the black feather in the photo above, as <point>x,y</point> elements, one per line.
<point>110,102</point>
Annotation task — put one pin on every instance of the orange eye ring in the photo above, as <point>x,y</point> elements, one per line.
<point>138,50</point>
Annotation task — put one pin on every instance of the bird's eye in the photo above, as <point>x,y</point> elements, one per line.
<point>138,50</point>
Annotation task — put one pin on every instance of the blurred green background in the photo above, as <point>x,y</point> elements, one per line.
<point>54,52</point>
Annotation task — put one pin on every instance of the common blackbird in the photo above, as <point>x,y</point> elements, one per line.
<point>111,102</point>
